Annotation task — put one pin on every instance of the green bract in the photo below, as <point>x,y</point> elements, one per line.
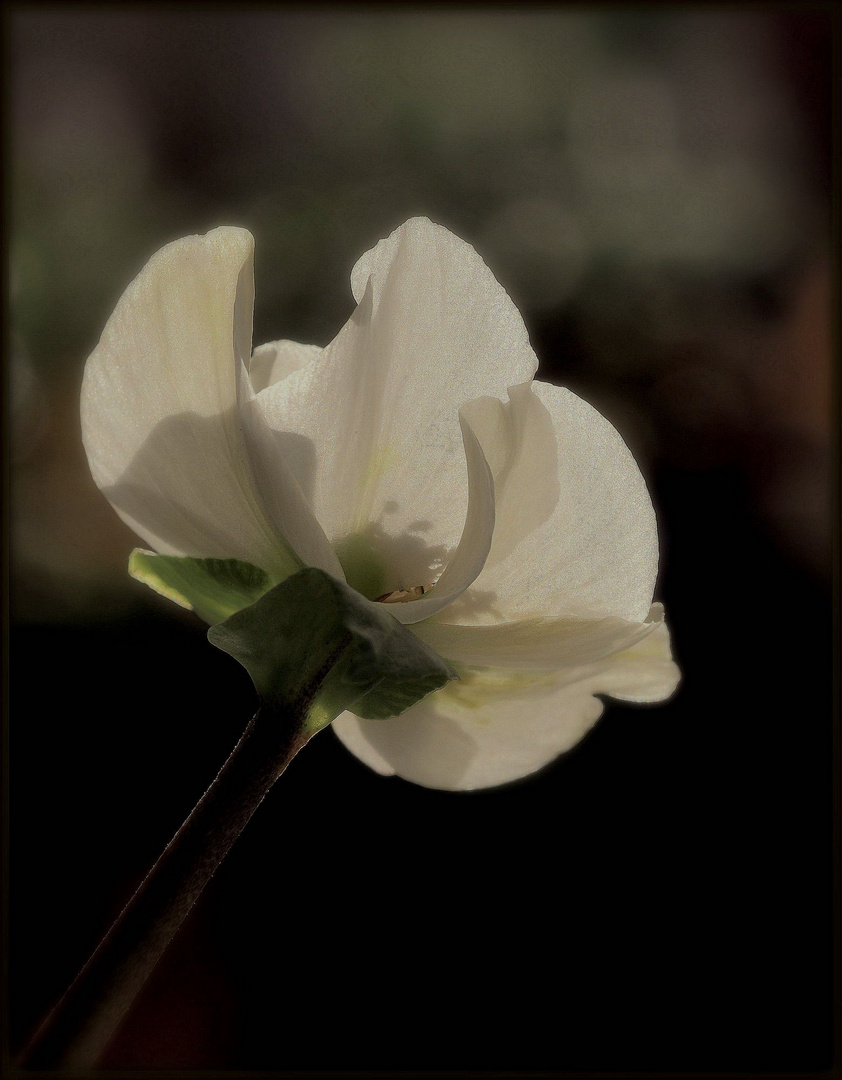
<point>314,630</point>
<point>308,631</point>
<point>213,588</point>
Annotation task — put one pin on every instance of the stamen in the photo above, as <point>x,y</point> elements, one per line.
<point>402,596</point>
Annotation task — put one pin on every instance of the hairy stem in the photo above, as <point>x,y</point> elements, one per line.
<point>77,1031</point>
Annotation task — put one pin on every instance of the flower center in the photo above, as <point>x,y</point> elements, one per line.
<point>402,596</point>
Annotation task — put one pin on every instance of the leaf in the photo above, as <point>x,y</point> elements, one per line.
<point>213,588</point>
<point>315,645</point>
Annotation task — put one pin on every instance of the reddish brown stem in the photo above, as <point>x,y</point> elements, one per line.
<point>77,1031</point>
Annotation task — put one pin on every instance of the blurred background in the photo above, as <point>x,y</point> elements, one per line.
<point>653,189</point>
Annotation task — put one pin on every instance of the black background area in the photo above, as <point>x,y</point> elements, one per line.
<point>658,899</point>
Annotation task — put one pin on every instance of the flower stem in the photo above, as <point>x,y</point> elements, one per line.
<point>77,1031</point>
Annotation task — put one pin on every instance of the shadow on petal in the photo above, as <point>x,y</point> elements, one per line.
<point>188,491</point>
<point>299,453</point>
<point>377,562</point>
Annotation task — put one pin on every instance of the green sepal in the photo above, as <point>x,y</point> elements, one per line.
<point>213,588</point>
<point>316,646</point>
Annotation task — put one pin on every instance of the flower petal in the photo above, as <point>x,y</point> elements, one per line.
<point>645,673</point>
<point>281,493</point>
<point>378,408</point>
<point>159,406</point>
<point>519,440</point>
<point>536,644</point>
<point>500,725</point>
<point>274,361</point>
<point>469,558</point>
<point>596,554</point>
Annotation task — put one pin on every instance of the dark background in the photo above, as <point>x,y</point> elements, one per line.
<point>653,189</point>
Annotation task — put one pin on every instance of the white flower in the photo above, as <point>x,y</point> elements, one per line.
<point>503,519</point>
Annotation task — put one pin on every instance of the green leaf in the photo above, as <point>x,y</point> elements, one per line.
<point>213,588</point>
<point>314,645</point>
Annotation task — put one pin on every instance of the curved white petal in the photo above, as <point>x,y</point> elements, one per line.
<point>274,361</point>
<point>596,554</point>
<point>376,413</point>
<point>536,644</point>
<point>281,493</point>
<point>469,558</point>
<point>500,725</point>
<point>159,405</point>
<point>645,673</point>
<point>519,440</point>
